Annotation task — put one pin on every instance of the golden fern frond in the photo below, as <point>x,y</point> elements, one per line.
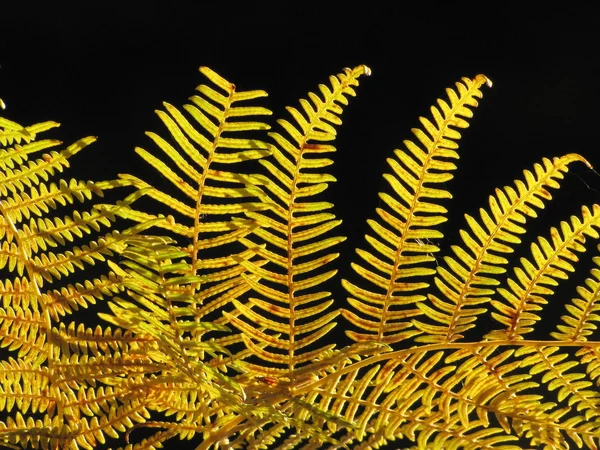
<point>433,405</point>
<point>310,419</point>
<point>421,393</point>
<point>466,283</point>
<point>158,311</point>
<point>15,157</point>
<point>29,174</point>
<point>408,223</point>
<point>70,298</point>
<point>577,326</point>
<point>80,370</point>
<point>18,293</point>
<point>208,141</point>
<point>31,247</point>
<point>38,249</point>
<point>76,338</point>
<point>89,433</point>
<point>21,432</point>
<point>12,132</point>
<point>22,331</point>
<point>23,386</point>
<point>170,362</point>
<point>46,197</point>
<point>579,323</point>
<point>152,443</point>
<point>295,235</point>
<point>555,370</point>
<point>439,404</point>
<point>53,266</point>
<point>525,295</point>
<point>160,308</point>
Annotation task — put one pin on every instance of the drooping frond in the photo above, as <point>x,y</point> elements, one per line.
<point>418,394</point>
<point>466,284</point>
<point>288,316</point>
<point>407,224</point>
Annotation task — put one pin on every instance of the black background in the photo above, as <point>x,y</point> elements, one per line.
<point>104,70</point>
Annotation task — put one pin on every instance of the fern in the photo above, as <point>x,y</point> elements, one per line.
<point>296,232</point>
<point>216,318</point>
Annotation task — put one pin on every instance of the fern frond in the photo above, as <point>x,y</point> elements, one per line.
<point>161,307</point>
<point>30,174</point>
<point>11,132</point>
<point>554,368</point>
<point>216,330</point>
<point>207,140</point>
<point>294,233</point>
<point>217,115</point>
<point>90,432</point>
<point>35,433</point>
<point>582,312</point>
<point>152,443</point>
<point>21,329</point>
<point>23,386</point>
<point>53,266</point>
<point>466,283</point>
<point>40,249</point>
<point>410,217</point>
<point>72,297</point>
<point>426,402</point>
<point>80,340</point>
<point>526,295</point>
<point>40,200</point>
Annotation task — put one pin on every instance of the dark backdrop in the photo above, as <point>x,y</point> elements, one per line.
<point>104,70</point>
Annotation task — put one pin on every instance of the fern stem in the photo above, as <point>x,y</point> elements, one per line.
<point>308,387</point>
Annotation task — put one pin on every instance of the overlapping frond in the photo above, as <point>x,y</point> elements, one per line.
<point>466,281</point>
<point>159,312</point>
<point>165,354</point>
<point>406,225</point>
<point>282,325</point>
<point>207,142</point>
<point>160,303</point>
<point>41,249</point>
<point>421,395</point>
